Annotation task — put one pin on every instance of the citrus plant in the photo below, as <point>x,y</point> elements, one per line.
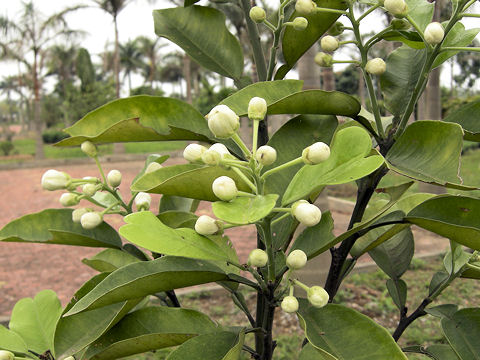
<point>273,185</point>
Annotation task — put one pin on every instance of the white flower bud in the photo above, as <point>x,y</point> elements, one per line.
<point>69,199</point>
<point>257,108</point>
<point>114,178</point>
<point>296,260</point>
<point>224,188</point>
<point>142,201</point>
<point>257,258</point>
<point>78,213</point>
<point>211,157</point>
<point>300,23</point>
<point>220,148</point>
<point>329,43</point>
<point>194,152</point>
<point>223,122</point>
<point>305,7</point>
<point>289,304</point>
<point>434,33</point>
<point>317,296</point>
<point>316,153</point>
<point>89,148</point>
<point>90,220</point>
<point>89,189</point>
<point>153,166</point>
<point>376,66</point>
<point>55,180</point>
<point>307,214</point>
<point>266,155</point>
<point>257,14</point>
<point>206,225</point>
<point>6,355</point>
<point>397,8</point>
<point>324,60</point>
<point>69,358</point>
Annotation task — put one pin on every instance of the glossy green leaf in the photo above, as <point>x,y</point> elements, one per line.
<point>109,260</point>
<point>348,161</point>
<point>462,331</point>
<point>421,11</point>
<point>35,320</point>
<point>178,219</point>
<point>309,352</point>
<point>74,333</point>
<point>404,66</point>
<point>456,258</point>
<point>467,117</point>
<point>245,210</point>
<point>438,279</point>
<point>410,38</point>
<point>159,159</point>
<point>149,329</point>
<point>339,330</point>
<point>443,310</point>
<point>398,291</point>
<point>148,277</point>
<point>472,272</point>
<point>282,230</point>
<point>308,129</point>
<point>429,151</point>
<point>454,217</point>
<point>213,47</point>
<point>442,352</point>
<point>188,180</point>
<point>55,226</point>
<point>172,202</point>
<point>271,91</point>
<point>11,341</point>
<point>221,345</point>
<point>456,37</point>
<point>295,43</point>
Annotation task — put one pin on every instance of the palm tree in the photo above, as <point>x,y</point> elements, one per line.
<point>130,60</point>
<point>149,48</point>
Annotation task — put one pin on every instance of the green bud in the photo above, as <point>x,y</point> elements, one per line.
<point>397,8</point>
<point>224,188</point>
<point>307,214</point>
<point>324,60</point>
<point>400,24</point>
<point>376,66</point>
<point>114,178</point>
<point>89,189</point>
<point>257,258</point>
<point>300,23</point>
<point>223,122</point>
<point>205,225</point>
<point>78,213</point>
<point>289,304</point>
<point>329,43</point>
<point>317,296</point>
<point>142,201</point>
<point>89,148</point>
<point>69,199</point>
<point>316,153</point>
<point>305,7</point>
<point>257,14</point>
<point>296,260</point>
<point>6,355</point>
<point>336,29</point>
<point>153,166</point>
<point>257,108</point>
<point>266,155</point>
<point>434,33</point>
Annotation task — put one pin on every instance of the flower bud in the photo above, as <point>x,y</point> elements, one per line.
<point>223,122</point>
<point>55,180</point>
<point>376,66</point>
<point>89,148</point>
<point>257,108</point>
<point>400,24</point>
<point>257,258</point>
<point>397,8</point>
<point>220,148</point>
<point>153,166</point>
<point>78,213</point>
<point>90,220</point>
<point>300,23</point>
<point>329,43</point>
<point>224,188</point>
<point>206,225</point>
<point>323,59</point>
<point>336,29</point>
<point>317,296</point>
<point>289,304</point>
<point>266,155</point>
<point>142,201</point>
<point>114,178</point>
<point>307,214</point>
<point>69,358</point>
<point>211,157</point>
<point>89,189</point>
<point>194,152</point>
<point>434,33</point>
<point>257,14</point>
<point>316,153</point>
<point>296,260</point>
<point>69,199</point>
<point>6,355</point>
<point>305,7</point>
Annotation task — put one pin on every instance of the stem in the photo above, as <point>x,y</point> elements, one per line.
<point>368,12</point>
<point>267,237</point>
<point>287,210</point>
<point>238,140</point>
<point>280,218</point>
<point>246,194</point>
<point>273,51</point>
<point>173,298</point>
<point>416,27</point>
<point>245,178</point>
<point>255,137</point>
<point>347,42</point>
<point>346,62</point>
<point>269,25</point>
<point>470,15</point>
<point>101,170</point>
<point>375,108</point>
<point>457,48</point>
<point>332,11</point>
<point>281,167</point>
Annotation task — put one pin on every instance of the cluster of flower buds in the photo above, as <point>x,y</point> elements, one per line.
<point>307,214</point>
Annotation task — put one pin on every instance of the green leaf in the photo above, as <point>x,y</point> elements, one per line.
<point>314,240</point>
<point>271,91</point>
<point>462,331</point>
<point>35,320</point>
<point>410,38</point>
<point>421,11</point>
<point>309,352</point>
<point>442,352</point>
<point>178,219</point>
<point>339,330</point>
<point>457,37</point>
<point>441,311</point>
<point>150,329</point>
<point>467,117</point>
<point>172,202</point>
<point>454,217</point>
<point>348,161</point>
<point>148,277</point>
<point>139,118</point>
<point>429,151</point>
<point>472,272</point>
<point>188,180</point>
<point>109,260</point>
<point>308,129</point>
<point>404,66</point>
<point>11,341</point>
<point>438,279</point>
<point>55,226</point>
<point>460,258</point>
<point>222,345</point>
<point>245,210</point>
<point>190,2</point>
<point>147,231</point>
<point>398,291</point>
<point>74,333</point>
<point>212,46</point>
<point>295,43</point>
<point>159,159</point>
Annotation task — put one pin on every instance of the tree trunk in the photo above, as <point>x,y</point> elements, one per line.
<point>37,116</point>
<point>116,59</point>
<point>187,74</point>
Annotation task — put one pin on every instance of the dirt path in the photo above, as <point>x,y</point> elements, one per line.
<point>26,269</point>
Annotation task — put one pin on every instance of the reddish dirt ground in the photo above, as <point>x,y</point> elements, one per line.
<point>26,269</point>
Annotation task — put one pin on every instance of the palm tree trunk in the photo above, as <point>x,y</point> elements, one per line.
<point>116,59</point>
<point>187,74</point>
<point>37,117</point>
